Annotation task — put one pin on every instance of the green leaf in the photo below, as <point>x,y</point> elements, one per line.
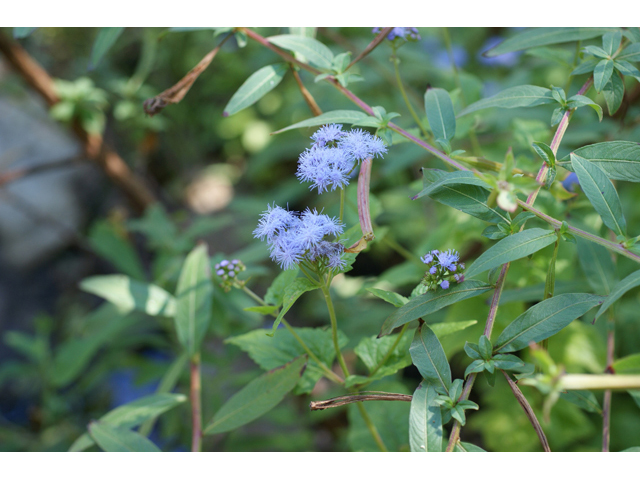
<point>128,294</point>
<point>614,93</point>
<point>255,87</point>
<point>507,362</point>
<point>119,439</point>
<point>291,294</point>
<point>373,350</point>
<point>336,116</point>
<point>520,96</point>
<point>597,266</point>
<point>628,365</point>
<point>310,48</point>
<point>585,67</point>
<point>257,398</point>
<point>622,287</point>
<point>393,298</point>
<point>537,37</point>
<point>425,420</point>
<point>602,73</point>
<point>271,352</point>
<point>620,160</point>
<point>22,32</point>
<point>545,153</point>
<point>581,101</point>
<point>467,447</point>
<point>512,248</point>
<point>631,449</point>
<point>429,357</point>
<point>447,328</point>
<point>583,399</point>
<point>595,51</point>
<point>544,320</point>
<point>601,193</point>
<point>133,414</point>
<point>275,293</point>
<point>108,243</point>
<point>439,107</point>
<point>107,36</point>
<point>468,198</point>
<point>432,301</point>
<point>194,295</point>
<point>451,178</point>
<point>611,41</point>
<point>625,68</point>
<point>630,54</point>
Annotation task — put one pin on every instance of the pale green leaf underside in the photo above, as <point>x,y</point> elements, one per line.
<point>620,160</point>
<point>255,87</point>
<point>520,96</point>
<point>440,114</point>
<point>316,52</point>
<point>336,116</point>
<point>425,420</point>
<point>119,439</point>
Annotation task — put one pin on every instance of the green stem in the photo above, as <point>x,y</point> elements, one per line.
<point>475,145</point>
<point>326,370</point>
<point>334,327</point>
<point>342,195</point>
<point>396,62</point>
<point>372,428</point>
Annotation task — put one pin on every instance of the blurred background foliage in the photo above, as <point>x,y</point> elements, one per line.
<point>67,358</point>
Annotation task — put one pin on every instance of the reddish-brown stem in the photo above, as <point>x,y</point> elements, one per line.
<point>522,400</point>
<point>374,43</point>
<point>606,403</point>
<point>196,412</point>
<point>112,164</point>
<point>454,436</point>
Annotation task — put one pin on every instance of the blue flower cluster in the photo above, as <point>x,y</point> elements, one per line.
<point>405,33</point>
<point>227,272</point>
<point>295,237</point>
<point>442,266</point>
<point>334,155</point>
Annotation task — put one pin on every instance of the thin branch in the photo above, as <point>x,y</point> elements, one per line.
<point>522,400</point>
<point>175,94</point>
<point>347,399</point>
<point>313,106</point>
<point>196,411</point>
<point>374,43</point>
<point>112,164</point>
<point>606,403</point>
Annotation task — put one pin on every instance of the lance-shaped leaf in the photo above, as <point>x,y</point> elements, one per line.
<point>316,52</point>
<point>393,298</point>
<point>520,96</point>
<point>255,87</point>
<point>107,36</point>
<point>336,116</point>
<point>257,398</point>
<point>425,420</point>
<point>291,294</point>
<point>193,300</point>
<point>620,289</point>
<point>630,54</point>
<point>464,195</point>
<point>452,178</point>
<point>601,193</point>
<point>583,399</point>
<point>602,73</point>
<point>544,320</point>
<point>597,266</point>
<point>627,365</point>
<point>439,107</point>
<point>620,160</point>
<point>428,356</point>
<point>512,248</point>
<point>432,301</point>
<point>537,37</point>
<point>467,447</point>
<point>133,414</point>
<point>613,93</point>
<point>128,294</point>
<point>119,439</point>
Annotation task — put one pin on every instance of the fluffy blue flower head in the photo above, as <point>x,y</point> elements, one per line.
<point>293,237</point>
<point>334,154</point>
<point>404,33</point>
<point>441,266</point>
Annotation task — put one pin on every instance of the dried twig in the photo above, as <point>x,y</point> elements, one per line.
<point>347,399</point>
<point>175,94</point>
<point>313,106</point>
